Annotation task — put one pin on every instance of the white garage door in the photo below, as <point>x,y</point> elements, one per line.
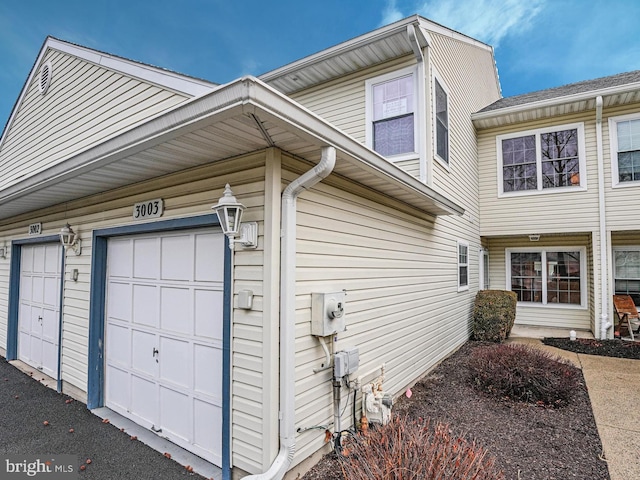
<point>164,335</point>
<point>39,310</point>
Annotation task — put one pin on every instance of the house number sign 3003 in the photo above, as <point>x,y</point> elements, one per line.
<point>148,209</point>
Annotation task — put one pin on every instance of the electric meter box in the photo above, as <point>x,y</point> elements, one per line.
<point>327,313</point>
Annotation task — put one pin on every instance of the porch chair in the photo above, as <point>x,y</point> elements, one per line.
<point>625,311</point>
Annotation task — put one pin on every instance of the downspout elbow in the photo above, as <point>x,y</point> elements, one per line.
<point>313,176</point>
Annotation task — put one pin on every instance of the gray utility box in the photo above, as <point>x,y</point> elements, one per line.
<point>327,313</point>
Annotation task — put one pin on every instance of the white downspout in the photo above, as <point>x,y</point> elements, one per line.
<point>281,464</point>
<point>605,324</point>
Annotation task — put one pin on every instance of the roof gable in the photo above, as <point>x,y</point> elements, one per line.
<point>90,97</point>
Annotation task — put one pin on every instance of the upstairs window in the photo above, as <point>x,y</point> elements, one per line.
<point>625,149</point>
<point>540,160</point>
<point>391,119</point>
<point>441,122</point>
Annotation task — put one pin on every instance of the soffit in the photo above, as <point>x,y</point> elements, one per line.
<point>240,118</point>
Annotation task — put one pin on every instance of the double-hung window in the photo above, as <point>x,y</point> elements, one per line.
<point>549,276</point>
<point>441,121</point>
<point>391,114</point>
<point>463,266</point>
<point>625,149</point>
<point>541,160</point>
<point>626,272</point>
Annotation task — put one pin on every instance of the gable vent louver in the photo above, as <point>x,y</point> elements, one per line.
<point>45,78</point>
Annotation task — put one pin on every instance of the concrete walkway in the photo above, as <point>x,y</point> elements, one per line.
<point>614,391</point>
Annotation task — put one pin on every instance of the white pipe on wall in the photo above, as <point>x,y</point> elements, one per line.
<point>605,324</point>
<point>284,458</point>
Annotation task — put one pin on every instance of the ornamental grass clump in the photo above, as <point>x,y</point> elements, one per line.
<point>524,374</point>
<point>407,449</point>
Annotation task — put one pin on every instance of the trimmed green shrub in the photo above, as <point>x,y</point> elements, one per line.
<point>494,313</point>
<point>407,449</point>
<point>524,374</point>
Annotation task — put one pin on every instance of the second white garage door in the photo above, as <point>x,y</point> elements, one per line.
<point>164,318</point>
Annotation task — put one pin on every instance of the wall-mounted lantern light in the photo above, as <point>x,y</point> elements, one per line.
<point>3,252</point>
<point>534,237</point>
<point>70,240</point>
<point>229,212</point>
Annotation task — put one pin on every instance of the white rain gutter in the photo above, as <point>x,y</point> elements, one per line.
<point>605,324</point>
<point>281,464</point>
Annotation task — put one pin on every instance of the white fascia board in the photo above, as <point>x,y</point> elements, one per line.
<point>173,81</point>
<point>554,102</point>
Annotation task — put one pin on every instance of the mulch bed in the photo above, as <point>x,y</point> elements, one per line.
<point>605,348</point>
<point>529,442</point>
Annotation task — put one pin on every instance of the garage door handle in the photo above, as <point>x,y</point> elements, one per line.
<point>155,351</point>
<point>40,319</point>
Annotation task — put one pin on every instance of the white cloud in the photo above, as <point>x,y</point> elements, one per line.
<point>487,20</point>
<point>391,13</point>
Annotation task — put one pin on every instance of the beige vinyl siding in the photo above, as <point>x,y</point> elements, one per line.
<point>342,101</point>
<point>85,105</point>
<point>4,297</point>
<point>621,202</point>
<point>467,73</point>
<point>188,193</point>
<point>567,211</point>
<point>403,308</point>
<point>544,316</point>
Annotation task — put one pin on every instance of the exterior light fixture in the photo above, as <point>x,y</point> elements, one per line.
<point>534,237</point>
<point>229,212</point>
<point>3,252</point>
<point>69,239</point>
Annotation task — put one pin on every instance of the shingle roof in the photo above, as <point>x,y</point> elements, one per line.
<point>566,90</point>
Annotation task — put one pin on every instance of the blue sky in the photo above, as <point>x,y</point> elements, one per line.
<point>538,43</point>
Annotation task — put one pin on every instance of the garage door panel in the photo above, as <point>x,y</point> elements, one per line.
<point>175,309</point>
<point>118,345</point>
<point>143,345</point>
<point>176,414</point>
<point>49,325</point>
<point>119,301</point>
<point>176,362</point>
<point>120,258</point>
<point>206,359</point>
<point>178,258</point>
<point>37,292</point>
<point>51,291</point>
<point>38,260</point>
<point>146,257</point>
<point>35,350</point>
<point>146,305</point>
<point>117,388</point>
<point>50,358</point>
<point>207,324</point>
<point>51,259</point>
<point>211,422</point>
<point>142,391</point>
<point>26,286</point>
<point>210,264</point>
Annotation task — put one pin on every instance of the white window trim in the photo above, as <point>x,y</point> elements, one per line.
<point>543,250</point>
<point>620,248</point>
<point>613,142</point>
<point>483,253</point>
<point>369,83</point>
<point>582,160</point>
<point>459,243</point>
<point>434,123</point>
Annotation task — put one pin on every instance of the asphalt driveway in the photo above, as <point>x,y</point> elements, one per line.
<point>25,406</point>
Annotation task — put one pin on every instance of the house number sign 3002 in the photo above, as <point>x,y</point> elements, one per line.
<point>148,209</point>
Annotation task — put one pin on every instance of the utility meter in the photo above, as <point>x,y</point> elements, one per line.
<point>327,313</point>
